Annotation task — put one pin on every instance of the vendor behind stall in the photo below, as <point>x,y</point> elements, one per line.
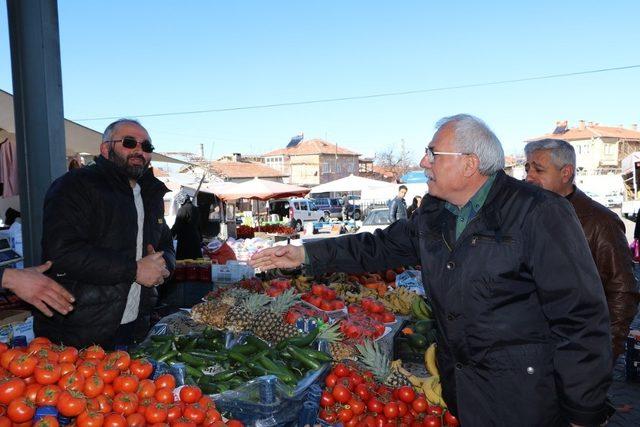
<point>186,231</point>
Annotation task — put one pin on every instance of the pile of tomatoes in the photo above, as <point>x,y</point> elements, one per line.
<point>372,308</point>
<point>353,397</point>
<point>95,388</point>
<point>323,297</point>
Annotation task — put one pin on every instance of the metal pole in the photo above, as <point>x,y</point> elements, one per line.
<point>37,100</point>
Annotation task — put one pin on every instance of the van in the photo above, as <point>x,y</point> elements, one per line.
<point>298,210</point>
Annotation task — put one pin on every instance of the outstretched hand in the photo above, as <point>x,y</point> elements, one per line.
<point>280,257</point>
<point>32,286</point>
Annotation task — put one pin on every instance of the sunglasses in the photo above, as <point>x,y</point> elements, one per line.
<point>131,143</point>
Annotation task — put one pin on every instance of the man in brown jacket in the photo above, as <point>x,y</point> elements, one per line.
<point>551,164</point>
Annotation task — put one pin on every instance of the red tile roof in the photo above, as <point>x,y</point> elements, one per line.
<point>588,131</point>
<point>245,170</point>
<point>311,146</point>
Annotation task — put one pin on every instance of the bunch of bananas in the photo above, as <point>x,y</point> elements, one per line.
<point>420,310</point>
<point>301,283</point>
<point>430,386</point>
<point>342,288</point>
<point>430,360</point>
<point>400,300</point>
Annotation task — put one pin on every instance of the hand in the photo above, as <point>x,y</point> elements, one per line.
<point>281,257</point>
<point>32,286</point>
<point>152,269</point>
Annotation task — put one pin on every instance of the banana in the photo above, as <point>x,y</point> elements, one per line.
<point>416,310</point>
<point>429,390</point>
<point>430,360</point>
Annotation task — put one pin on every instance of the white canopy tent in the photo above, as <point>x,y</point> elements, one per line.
<point>351,183</point>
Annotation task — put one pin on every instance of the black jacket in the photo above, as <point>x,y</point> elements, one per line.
<point>398,209</point>
<point>186,231</point>
<point>522,319</point>
<point>89,232</point>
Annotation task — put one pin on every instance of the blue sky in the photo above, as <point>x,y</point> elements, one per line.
<point>143,57</point>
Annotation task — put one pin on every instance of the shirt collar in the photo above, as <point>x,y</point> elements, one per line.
<point>477,201</point>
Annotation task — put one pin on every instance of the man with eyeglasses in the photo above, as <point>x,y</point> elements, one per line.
<point>523,337</point>
<point>104,230</point>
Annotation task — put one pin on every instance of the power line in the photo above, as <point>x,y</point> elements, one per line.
<point>378,95</point>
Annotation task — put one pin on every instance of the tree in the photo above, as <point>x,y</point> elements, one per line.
<point>395,159</point>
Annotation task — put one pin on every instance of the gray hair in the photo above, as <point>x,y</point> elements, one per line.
<point>562,153</point>
<point>473,136</point>
<point>107,135</point>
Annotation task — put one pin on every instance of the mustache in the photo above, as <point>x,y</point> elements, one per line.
<point>136,156</point>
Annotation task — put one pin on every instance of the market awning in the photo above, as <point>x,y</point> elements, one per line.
<point>351,183</point>
<point>261,189</point>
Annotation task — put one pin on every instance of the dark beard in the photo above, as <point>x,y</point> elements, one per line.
<point>132,171</point>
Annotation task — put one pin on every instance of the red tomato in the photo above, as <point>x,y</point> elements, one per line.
<point>47,354</point>
<point>183,422</point>
<point>147,388</point>
<point>66,367</point>
<point>165,380</point>
<point>234,423</point>
<point>345,415</point>
<point>90,419</point>
<point>23,365</point>
<point>156,413</point>
<point>114,420</point>
<point>341,370</point>
<point>450,420</point>
<point>5,421</point>
<point>125,403</point>
<point>403,408</point>
<point>48,395</point>
<point>11,388</point>
<point>330,380</point>
<point>326,399</point>
<point>391,410</point>
<point>101,403</point>
<point>435,410</point>
<point>141,368</point>
<point>363,392</point>
<point>3,347</point>
<point>327,416</point>
<point>67,354</point>
<point>341,394</point>
<point>194,413</point>
<point>174,411</point>
<point>107,371</point>
<point>190,394</point>
<point>406,394</point>
<point>136,420</point>
<point>126,383</point>
<point>207,403</point>
<point>8,356</point>
<point>94,352</point>
<point>87,368</point>
<point>93,386</point>
<point>164,395</point>
<point>108,391</point>
<point>72,381</point>
<point>357,406</point>
<point>21,410</point>
<point>47,373</point>
<point>420,405</point>
<point>71,403</point>
<point>432,421</point>
<point>46,421</point>
<point>120,359</point>
<point>374,405</point>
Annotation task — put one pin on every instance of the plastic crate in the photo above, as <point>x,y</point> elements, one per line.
<point>231,272</point>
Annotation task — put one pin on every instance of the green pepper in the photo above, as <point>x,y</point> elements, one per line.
<point>318,355</point>
<point>309,362</point>
<point>168,356</point>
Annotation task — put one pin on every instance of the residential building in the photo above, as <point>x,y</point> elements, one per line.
<point>312,162</point>
<point>599,149</point>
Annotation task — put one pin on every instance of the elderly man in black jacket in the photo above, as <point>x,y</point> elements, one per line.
<point>104,230</point>
<point>523,328</point>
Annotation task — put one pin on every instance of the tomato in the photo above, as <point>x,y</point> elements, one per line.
<point>143,404</point>
<point>345,414</point>
<point>341,393</point>
<point>330,380</point>
<point>194,413</point>
<point>326,399</point>
<point>71,403</point>
<point>391,410</point>
<point>234,423</point>
<point>174,411</point>
<point>207,403</point>
<point>165,380</point>
<point>327,416</point>
<point>67,354</point>
<point>87,368</point>
<point>90,419</point>
<point>141,368</point>
<point>21,410</point>
<point>32,391</point>
<point>362,390</point>
<point>406,394</point>
<point>341,370</point>
<point>450,420</point>
<point>403,408</point>
<point>5,421</point>
<point>94,352</point>
<point>125,403</point>
<point>23,365</point>
<point>190,394</point>
<point>164,395</point>
<point>146,388</point>
<point>157,413</point>
<point>47,373</point>
<point>114,420</point>
<point>11,388</point>
<point>107,371</point>
<point>48,395</point>
<point>93,386</point>
<point>435,410</point>
<point>213,415</point>
<point>40,340</point>
<point>374,405</point>
<point>100,403</point>
<point>183,422</point>
<point>136,420</point>
<point>108,390</point>
<point>357,406</point>
<point>420,405</point>
<point>3,347</point>
<point>47,421</point>
<point>66,367</point>
<point>432,421</point>
<point>8,356</point>
<point>72,381</point>
<point>120,359</point>
<point>47,354</point>
<point>126,383</point>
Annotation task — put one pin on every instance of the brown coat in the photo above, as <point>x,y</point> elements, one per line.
<point>605,234</point>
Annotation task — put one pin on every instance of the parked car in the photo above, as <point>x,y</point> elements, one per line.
<point>298,210</point>
<point>607,201</point>
<point>376,219</point>
<point>332,207</point>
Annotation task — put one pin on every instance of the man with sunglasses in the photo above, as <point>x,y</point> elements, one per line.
<point>523,336</point>
<point>104,230</point>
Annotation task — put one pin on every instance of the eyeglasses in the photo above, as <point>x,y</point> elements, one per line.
<point>431,155</point>
<point>131,143</point>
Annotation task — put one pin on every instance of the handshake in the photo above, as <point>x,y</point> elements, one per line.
<point>152,269</point>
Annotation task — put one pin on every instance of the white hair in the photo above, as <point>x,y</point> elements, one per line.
<point>473,136</point>
<point>562,153</point>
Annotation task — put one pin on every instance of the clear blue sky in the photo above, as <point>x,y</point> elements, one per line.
<point>126,58</point>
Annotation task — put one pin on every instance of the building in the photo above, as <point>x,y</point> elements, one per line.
<point>312,162</point>
<point>599,149</point>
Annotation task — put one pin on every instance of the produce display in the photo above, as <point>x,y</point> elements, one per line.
<point>92,387</point>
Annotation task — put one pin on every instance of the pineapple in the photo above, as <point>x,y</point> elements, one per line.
<point>268,323</point>
<point>239,317</point>
<point>211,313</point>
<point>338,349</point>
<point>234,296</point>
<point>378,363</point>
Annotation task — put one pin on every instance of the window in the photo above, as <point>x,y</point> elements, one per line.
<point>608,149</point>
<point>325,167</point>
<point>303,206</point>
